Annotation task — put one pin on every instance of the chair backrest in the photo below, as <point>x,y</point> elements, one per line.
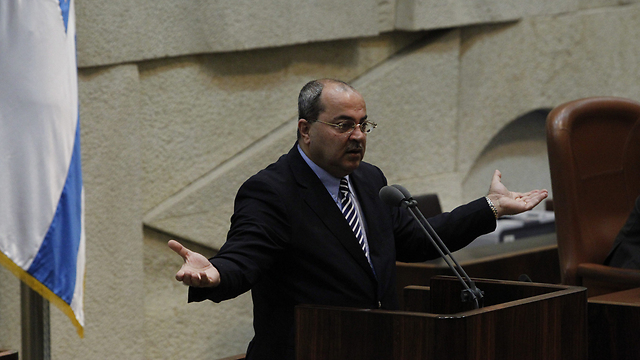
<point>594,159</point>
<point>428,204</point>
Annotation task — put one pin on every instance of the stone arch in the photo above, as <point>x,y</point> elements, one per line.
<point>519,151</point>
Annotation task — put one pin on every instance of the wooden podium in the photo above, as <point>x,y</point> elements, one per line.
<point>518,321</point>
<point>613,325</point>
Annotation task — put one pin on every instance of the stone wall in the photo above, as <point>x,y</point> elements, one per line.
<point>182,101</point>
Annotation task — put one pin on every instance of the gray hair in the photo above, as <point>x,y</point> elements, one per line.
<point>309,104</point>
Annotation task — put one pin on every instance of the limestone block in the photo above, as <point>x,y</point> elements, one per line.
<point>111,172</point>
<point>119,31</point>
<point>413,97</point>
<point>587,4</point>
<point>435,14</point>
<point>541,62</point>
<point>386,15</point>
<point>10,331</point>
<point>199,112</point>
<point>175,329</point>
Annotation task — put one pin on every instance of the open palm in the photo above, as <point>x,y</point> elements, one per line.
<point>196,270</point>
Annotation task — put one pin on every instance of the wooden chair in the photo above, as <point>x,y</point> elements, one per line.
<point>594,158</point>
<point>428,204</point>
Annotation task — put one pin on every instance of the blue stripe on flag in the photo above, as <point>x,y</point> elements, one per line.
<point>64,7</point>
<point>55,264</point>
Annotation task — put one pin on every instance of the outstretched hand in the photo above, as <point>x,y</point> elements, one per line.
<point>509,202</point>
<point>196,270</point>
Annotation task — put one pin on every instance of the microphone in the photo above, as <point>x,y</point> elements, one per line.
<point>393,197</point>
<point>398,196</point>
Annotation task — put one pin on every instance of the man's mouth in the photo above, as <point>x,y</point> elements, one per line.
<point>358,149</point>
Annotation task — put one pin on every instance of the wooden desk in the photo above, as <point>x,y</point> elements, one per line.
<point>613,322</point>
<point>535,256</point>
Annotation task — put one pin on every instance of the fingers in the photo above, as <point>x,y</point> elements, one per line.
<point>496,179</point>
<point>184,274</point>
<point>516,203</point>
<point>178,248</point>
<point>193,278</point>
<point>530,199</point>
<point>198,279</point>
<point>497,187</point>
<point>535,196</point>
<point>510,202</point>
<point>196,269</point>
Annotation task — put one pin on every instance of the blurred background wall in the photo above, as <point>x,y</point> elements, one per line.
<point>181,101</point>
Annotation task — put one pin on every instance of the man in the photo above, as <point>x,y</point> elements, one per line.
<point>625,252</point>
<point>291,244</point>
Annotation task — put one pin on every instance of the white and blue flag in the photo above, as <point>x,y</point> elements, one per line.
<point>42,237</point>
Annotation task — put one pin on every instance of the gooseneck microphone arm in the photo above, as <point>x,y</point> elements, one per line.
<point>398,196</point>
<point>412,204</point>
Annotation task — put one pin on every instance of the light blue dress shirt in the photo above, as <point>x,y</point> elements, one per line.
<point>332,184</point>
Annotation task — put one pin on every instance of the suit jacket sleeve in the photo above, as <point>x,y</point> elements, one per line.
<point>259,232</point>
<point>456,228</point>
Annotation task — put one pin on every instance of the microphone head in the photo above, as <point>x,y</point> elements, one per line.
<point>404,191</point>
<point>391,196</point>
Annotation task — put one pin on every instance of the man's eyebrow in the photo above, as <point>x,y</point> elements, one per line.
<point>347,117</point>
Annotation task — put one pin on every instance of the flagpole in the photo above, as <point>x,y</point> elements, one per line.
<point>35,325</point>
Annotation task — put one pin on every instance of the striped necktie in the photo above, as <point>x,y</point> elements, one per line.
<point>351,214</point>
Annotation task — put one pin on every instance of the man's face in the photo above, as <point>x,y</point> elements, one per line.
<point>337,153</point>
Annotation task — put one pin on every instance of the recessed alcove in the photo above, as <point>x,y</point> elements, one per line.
<point>519,151</point>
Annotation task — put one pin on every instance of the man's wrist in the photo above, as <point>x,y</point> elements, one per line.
<point>494,209</point>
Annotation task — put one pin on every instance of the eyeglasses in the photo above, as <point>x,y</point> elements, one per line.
<point>347,127</point>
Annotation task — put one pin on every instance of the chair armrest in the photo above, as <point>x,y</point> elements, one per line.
<point>609,274</point>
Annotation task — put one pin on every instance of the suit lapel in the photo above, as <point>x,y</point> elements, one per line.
<point>368,198</point>
<point>317,197</point>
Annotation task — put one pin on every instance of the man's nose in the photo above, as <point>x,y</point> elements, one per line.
<point>357,134</point>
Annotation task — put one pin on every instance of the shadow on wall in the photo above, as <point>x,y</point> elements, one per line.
<point>519,151</point>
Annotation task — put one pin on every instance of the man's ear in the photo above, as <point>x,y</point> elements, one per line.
<point>303,128</point>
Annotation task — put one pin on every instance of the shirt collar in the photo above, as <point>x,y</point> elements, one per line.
<point>330,182</point>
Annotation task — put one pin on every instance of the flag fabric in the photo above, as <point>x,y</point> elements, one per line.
<point>42,237</point>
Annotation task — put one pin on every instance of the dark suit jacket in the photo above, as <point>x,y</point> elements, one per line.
<point>290,244</point>
<point>625,252</point>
